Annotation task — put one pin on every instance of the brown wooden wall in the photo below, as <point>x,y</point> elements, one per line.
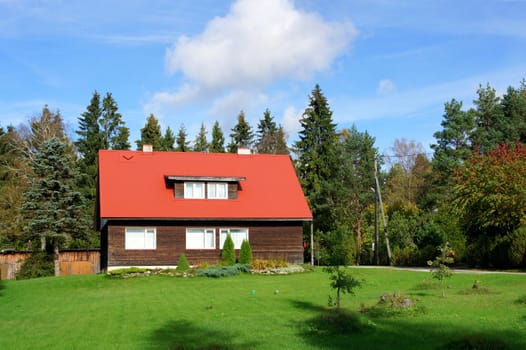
<point>72,262</point>
<point>279,240</point>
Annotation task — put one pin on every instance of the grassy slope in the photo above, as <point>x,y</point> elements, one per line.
<point>93,311</point>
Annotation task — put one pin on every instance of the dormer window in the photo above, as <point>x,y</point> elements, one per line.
<point>195,190</point>
<point>217,190</point>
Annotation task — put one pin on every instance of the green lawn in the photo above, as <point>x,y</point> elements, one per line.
<point>97,312</point>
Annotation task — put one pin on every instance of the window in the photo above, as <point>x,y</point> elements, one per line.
<point>194,190</point>
<point>237,234</point>
<point>140,238</point>
<point>200,238</point>
<point>217,190</point>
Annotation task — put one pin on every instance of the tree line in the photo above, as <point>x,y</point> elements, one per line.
<point>471,192</point>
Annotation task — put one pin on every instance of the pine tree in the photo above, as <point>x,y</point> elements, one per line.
<point>182,144</point>
<point>52,209</point>
<point>242,135</point>
<point>151,134</point>
<point>89,140</point>
<point>218,139</point>
<point>168,140</point>
<point>201,144</point>
<point>281,142</point>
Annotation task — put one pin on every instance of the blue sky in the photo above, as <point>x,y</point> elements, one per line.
<point>386,66</point>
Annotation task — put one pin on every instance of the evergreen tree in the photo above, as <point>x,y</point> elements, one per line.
<point>242,135</point>
<point>52,209</point>
<point>281,142</point>
<point>114,133</point>
<point>168,140</point>
<point>201,144</point>
<point>491,126</point>
<point>218,139</point>
<point>245,253</point>
<point>228,254</point>
<point>151,134</point>
<point>182,144</point>
<point>89,141</point>
<point>317,160</point>
<point>266,134</point>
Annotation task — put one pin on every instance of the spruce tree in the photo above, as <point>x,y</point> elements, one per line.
<point>53,210</point>
<point>218,139</point>
<point>182,144</point>
<point>89,135</point>
<point>151,134</point>
<point>266,134</point>
<point>201,144</point>
<point>114,133</point>
<point>242,135</point>
<point>168,140</point>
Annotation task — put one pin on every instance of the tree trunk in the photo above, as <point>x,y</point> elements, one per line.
<point>43,243</point>
<point>358,242</point>
<point>55,258</point>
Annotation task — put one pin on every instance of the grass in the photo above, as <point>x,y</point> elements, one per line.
<point>159,312</point>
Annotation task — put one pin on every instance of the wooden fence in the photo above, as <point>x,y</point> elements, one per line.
<point>72,262</point>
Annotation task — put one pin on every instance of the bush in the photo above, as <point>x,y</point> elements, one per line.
<point>245,254</point>
<point>268,264</point>
<point>38,264</point>
<point>228,254</point>
<point>128,271</point>
<point>223,271</point>
<point>182,264</point>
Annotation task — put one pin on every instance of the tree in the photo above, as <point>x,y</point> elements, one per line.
<point>182,144</point>
<point>218,140</point>
<point>53,210</point>
<point>242,135</point>
<point>168,140</point>
<point>228,254</point>
<point>317,161</point>
<point>281,142</point>
<point>114,133</point>
<point>514,109</point>
<point>151,134</point>
<point>491,126</point>
<point>201,144</point>
<point>266,134</point>
<point>440,269</point>
<point>245,253</point>
<point>89,140</point>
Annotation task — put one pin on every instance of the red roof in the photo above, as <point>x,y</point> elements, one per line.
<point>133,184</point>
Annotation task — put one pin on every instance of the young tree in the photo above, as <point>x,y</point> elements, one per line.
<point>114,133</point>
<point>228,254</point>
<point>218,139</point>
<point>168,140</point>
<point>201,144</point>
<point>242,135</point>
<point>182,144</point>
<point>151,134</point>
<point>52,209</point>
<point>245,253</point>
<point>439,267</point>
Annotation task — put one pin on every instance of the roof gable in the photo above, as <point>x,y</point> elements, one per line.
<point>135,184</point>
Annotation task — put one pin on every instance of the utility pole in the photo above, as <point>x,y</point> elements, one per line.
<point>379,195</point>
<point>376,238</point>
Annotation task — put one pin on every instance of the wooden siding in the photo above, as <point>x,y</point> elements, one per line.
<point>278,240</point>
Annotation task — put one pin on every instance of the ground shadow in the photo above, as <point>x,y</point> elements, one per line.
<point>2,287</point>
<point>186,335</point>
<point>398,333</point>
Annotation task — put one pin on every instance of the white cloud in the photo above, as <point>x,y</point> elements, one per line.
<point>258,42</point>
<point>291,120</point>
<point>385,86</point>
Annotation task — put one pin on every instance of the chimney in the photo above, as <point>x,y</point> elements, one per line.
<point>244,150</point>
<point>147,148</point>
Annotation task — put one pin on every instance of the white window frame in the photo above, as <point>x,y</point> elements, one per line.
<point>140,238</point>
<point>238,234</point>
<point>212,190</point>
<point>190,190</point>
<point>204,231</point>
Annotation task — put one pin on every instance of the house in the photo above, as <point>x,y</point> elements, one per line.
<point>154,206</point>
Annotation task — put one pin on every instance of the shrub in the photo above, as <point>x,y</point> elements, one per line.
<point>245,254</point>
<point>268,264</point>
<point>38,264</point>
<point>124,272</point>
<point>228,254</point>
<point>182,264</point>
<point>223,271</point>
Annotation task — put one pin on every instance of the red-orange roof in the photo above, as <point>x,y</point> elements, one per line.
<point>132,184</point>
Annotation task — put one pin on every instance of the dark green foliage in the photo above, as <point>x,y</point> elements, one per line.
<point>114,133</point>
<point>183,145</point>
<point>217,145</point>
<point>223,271</point>
<point>151,134</point>
<point>38,264</point>
<point>270,138</point>
<point>242,135</point>
<point>168,140</point>
<point>228,254</point>
<point>201,144</point>
<point>245,253</point>
<point>338,324</point>
<point>342,281</point>
<point>182,264</point>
